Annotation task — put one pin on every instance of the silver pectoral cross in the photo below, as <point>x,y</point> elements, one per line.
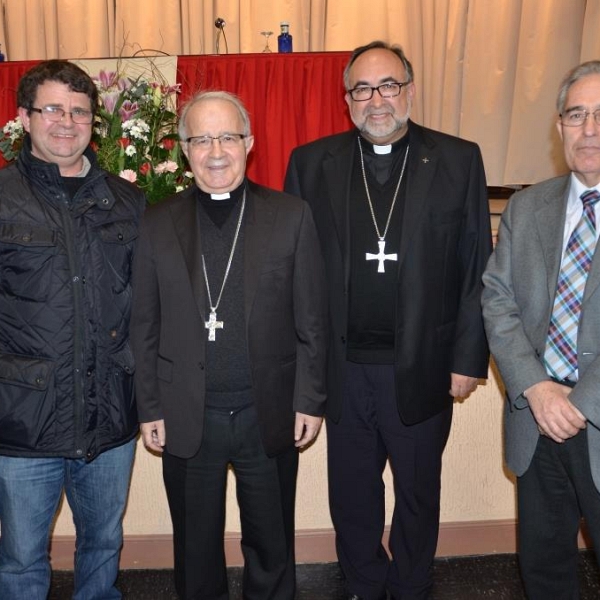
<point>212,325</point>
<point>381,256</point>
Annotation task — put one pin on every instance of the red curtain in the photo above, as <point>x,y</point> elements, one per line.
<point>10,73</point>
<point>292,98</point>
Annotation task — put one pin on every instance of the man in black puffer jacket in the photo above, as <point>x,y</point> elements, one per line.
<point>67,410</point>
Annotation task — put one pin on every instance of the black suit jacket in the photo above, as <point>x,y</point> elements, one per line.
<point>285,310</point>
<point>444,246</point>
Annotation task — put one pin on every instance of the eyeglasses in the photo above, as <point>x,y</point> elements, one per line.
<point>54,114</point>
<point>226,140</point>
<point>362,93</point>
<point>577,117</point>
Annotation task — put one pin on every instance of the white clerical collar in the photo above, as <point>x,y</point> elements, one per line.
<point>382,149</point>
<point>224,196</point>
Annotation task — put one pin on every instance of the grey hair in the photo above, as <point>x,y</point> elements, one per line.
<point>378,44</point>
<point>213,95</point>
<point>591,67</point>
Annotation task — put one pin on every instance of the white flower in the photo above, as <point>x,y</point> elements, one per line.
<point>137,129</point>
<point>14,129</point>
<point>188,175</point>
<point>129,175</point>
<point>130,150</point>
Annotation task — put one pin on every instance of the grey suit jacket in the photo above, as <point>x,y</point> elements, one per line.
<point>519,289</point>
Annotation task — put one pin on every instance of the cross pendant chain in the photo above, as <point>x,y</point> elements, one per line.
<point>381,256</point>
<point>212,325</point>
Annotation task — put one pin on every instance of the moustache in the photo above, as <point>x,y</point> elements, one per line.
<point>379,111</point>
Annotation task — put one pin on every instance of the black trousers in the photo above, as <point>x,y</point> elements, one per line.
<point>553,494</point>
<point>369,433</point>
<point>196,491</point>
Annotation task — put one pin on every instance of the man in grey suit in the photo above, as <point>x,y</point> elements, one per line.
<point>542,313</point>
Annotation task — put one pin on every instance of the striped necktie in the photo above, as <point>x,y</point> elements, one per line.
<point>560,356</point>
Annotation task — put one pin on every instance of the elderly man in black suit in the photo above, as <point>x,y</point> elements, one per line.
<point>229,334</point>
<point>403,220</point>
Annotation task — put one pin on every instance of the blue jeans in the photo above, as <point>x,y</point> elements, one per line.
<point>30,491</point>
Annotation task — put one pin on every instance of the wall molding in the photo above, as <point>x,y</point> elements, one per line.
<point>312,546</point>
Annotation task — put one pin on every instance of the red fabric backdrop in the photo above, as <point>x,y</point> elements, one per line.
<point>292,98</point>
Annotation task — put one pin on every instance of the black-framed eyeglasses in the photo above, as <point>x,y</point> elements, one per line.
<point>577,117</point>
<point>226,140</point>
<point>362,93</point>
<point>55,114</point>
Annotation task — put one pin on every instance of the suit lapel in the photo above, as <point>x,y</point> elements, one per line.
<point>185,223</point>
<point>593,279</point>
<point>422,165</point>
<point>550,223</point>
<point>260,217</point>
<point>337,188</point>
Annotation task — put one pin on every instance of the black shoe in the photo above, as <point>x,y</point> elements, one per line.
<point>354,597</point>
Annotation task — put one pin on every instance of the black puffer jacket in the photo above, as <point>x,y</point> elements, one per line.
<point>66,368</point>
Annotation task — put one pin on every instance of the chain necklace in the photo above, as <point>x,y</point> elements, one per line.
<point>212,324</point>
<point>381,256</point>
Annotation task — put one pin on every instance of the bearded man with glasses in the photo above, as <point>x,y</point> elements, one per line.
<point>67,411</point>
<point>403,220</point>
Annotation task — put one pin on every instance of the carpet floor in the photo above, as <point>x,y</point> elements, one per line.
<point>459,578</point>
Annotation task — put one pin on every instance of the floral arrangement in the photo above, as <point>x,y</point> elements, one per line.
<point>134,136</point>
<point>12,139</point>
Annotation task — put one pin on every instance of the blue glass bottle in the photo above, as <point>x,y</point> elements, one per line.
<point>2,57</point>
<point>284,39</point>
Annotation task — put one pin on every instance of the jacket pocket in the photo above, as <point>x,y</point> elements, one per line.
<point>118,240</point>
<point>27,403</point>
<point>117,408</point>
<point>26,371</point>
<point>26,261</point>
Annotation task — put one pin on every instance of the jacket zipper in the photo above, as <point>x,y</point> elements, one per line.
<point>78,332</point>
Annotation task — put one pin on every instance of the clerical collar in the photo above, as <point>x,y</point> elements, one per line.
<point>228,197</point>
<point>381,150</point>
